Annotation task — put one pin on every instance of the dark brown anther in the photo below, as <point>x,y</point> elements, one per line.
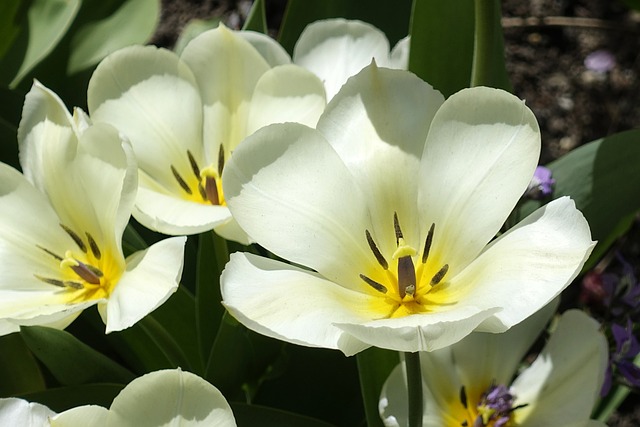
<point>437,278</point>
<point>94,246</point>
<point>427,244</point>
<point>463,397</point>
<point>376,252</point>
<point>72,284</point>
<point>181,181</point>
<point>406,276</point>
<point>194,164</point>
<point>220,160</point>
<point>53,282</point>
<point>53,254</point>
<point>202,192</point>
<point>211,188</point>
<point>88,273</point>
<point>396,227</point>
<point>375,285</point>
<point>75,238</point>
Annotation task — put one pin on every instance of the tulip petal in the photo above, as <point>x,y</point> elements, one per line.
<point>480,155</point>
<point>81,416</point>
<point>271,50</point>
<point>151,277</point>
<point>563,383</point>
<point>170,397</point>
<point>19,412</point>
<point>287,93</point>
<point>287,303</point>
<point>536,259</point>
<point>400,54</point>
<point>335,49</point>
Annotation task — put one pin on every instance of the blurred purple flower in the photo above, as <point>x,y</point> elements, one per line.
<point>541,184</point>
<point>627,348</point>
<point>600,61</point>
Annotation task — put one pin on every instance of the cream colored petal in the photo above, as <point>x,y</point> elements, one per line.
<point>291,304</point>
<point>400,54</point>
<point>82,416</point>
<point>19,412</point>
<point>480,155</point>
<point>336,49</point>
<point>270,49</point>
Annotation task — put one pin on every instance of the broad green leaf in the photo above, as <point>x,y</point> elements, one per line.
<point>9,27</point>
<point>19,370</point>
<point>254,415</point>
<point>193,29</point>
<point>132,23</point>
<point>392,19</point>
<point>257,19</point>
<point>602,177</point>
<point>63,398</point>
<point>374,367</point>
<point>71,361</point>
<point>212,257</point>
<point>441,52</point>
<point>47,22</point>
<point>132,241</point>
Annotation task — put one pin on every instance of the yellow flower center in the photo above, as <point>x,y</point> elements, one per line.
<point>86,273</point>
<point>202,185</point>
<point>403,288</point>
<point>492,408</point>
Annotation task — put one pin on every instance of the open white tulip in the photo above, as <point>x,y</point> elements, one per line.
<point>19,412</point>
<point>61,225</point>
<point>186,115</point>
<point>471,383</point>
<point>386,211</point>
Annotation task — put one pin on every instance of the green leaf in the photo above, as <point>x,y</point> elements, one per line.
<point>254,415</point>
<point>393,20</point>
<point>211,247</point>
<point>71,361</point>
<point>632,4</point>
<point>47,22</point>
<point>257,19</point>
<point>602,177</point>
<point>374,367</point>
<point>9,28</point>
<point>441,51</point>
<point>19,370</point>
<point>63,398</point>
<point>132,23</point>
<point>132,241</point>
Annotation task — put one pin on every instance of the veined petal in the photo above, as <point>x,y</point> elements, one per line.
<point>400,54</point>
<point>285,302</point>
<point>563,383</point>
<point>168,214</point>
<point>287,93</point>
<point>81,416</point>
<point>335,49</point>
<point>152,97</point>
<point>289,191</point>
<point>271,50</point>
<point>480,155</point>
<point>170,397</point>
<point>378,124</point>
<point>537,259</point>
<point>151,277</point>
<point>227,69</point>
<point>19,412</point>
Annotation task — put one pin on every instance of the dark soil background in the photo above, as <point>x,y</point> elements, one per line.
<point>547,43</point>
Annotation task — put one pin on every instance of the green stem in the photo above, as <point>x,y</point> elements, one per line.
<point>414,388</point>
<point>487,38</point>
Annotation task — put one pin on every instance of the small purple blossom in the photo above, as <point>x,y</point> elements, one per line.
<point>541,184</point>
<point>627,348</point>
<point>600,61</point>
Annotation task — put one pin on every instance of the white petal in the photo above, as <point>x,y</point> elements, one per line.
<point>151,277</point>
<point>481,152</point>
<point>227,69</point>
<point>81,416</point>
<point>170,397</point>
<point>563,383</point>
<point>7,327</point>
<point>151,96</point>
<point>400,54</point>
<point>168,214</point>
<point>335,49</point>
<point>528,266</point>
<point>291,193</point>
<point>287,93</point>
<point>378,124</point>
<point>18,412</point>
<point>291,304</point>
<point>271,50</point>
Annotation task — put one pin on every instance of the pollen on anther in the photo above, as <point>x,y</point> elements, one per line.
<point>376,252</point>
<point>437,278</point>
<point>94,246</point>
<point>396,227</point>
<point>181,181</point>
<point>375,285</point>
<point>220,160</point>
<point>194,165</point>
<point>427,244</point>
<point>75,238</point>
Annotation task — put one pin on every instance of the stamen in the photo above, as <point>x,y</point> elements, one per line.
<point>463,397</point>
<point>56,256</point>
<point>220,160</point>
<point>437,278</point>
<point>427,244</point>
<point>396,227</point>
<point>375,285</point>
<point>181,181</point>
<point>464,423</point>
<point>406,276</point>
<point>74,285</point>
<point>86,272</point>
<point>203,193</point>
<point>211,189</point>
<point>75,238</point>
<point>53,282</point>
<point>194,164</point>
<point>376,252</point>
<point>94,246</point>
